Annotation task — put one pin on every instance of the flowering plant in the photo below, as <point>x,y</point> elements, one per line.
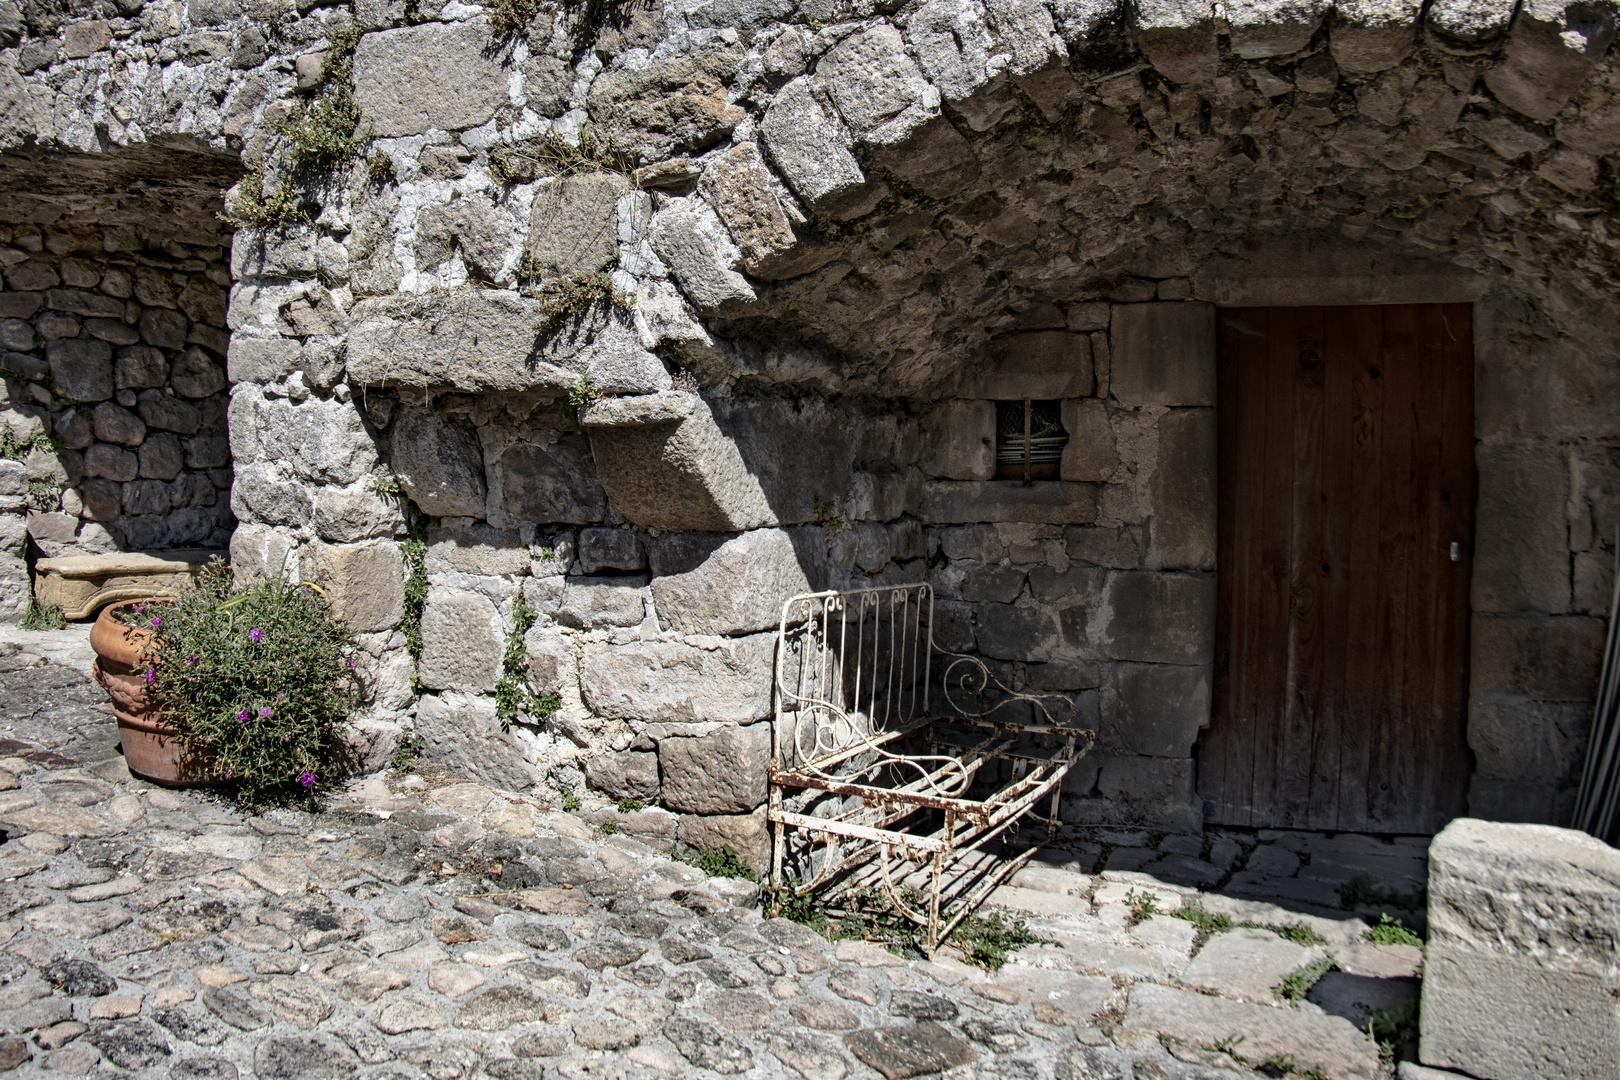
<point>256,679</point>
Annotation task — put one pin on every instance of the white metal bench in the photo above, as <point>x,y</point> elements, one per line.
<point>874,788</point>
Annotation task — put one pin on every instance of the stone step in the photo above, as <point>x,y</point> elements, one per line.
<point>1257,1034</point>
<point>1246,965</point>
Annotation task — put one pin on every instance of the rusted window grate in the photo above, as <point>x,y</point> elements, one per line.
<point>1029,440</point>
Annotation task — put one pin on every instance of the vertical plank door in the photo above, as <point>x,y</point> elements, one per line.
<point>1346,475</point>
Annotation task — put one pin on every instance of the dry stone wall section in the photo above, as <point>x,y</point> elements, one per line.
<point>847,231</point>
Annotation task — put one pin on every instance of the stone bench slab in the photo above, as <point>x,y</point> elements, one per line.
<point>81,584</point>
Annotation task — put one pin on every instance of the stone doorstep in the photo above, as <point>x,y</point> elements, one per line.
<point>83,583</point>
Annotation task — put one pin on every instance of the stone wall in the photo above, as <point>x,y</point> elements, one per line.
<point>837,235</point>
<point>113,329</point>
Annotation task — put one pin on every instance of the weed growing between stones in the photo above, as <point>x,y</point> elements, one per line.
<point>512,693</point>
<point>249,207</point>
<point>827,517</point>
<point>1300,933</point>
<point>256,681</point>
<point>1208,922</point>
<point>570,801</point>
<point>628,805</point>
<point>609,828</point>
<point>723,863</point>
<point>1394,1028</point>
<point>990,940</point>
<point>407,751</point>
<point>574,296</point>
<point>43,495</point>
<point>322,130</point>
<point>511,18</point>
<point>1143,906</point>
<point>386,485</point>
<point>1297,983</point>
<point>382,169</point>
<point>553,155</point>
<point>414,552</point>
<point>1390,931</point>
<point>37,616</point>
<point>1360,891</point>
<point>1277,1065</point>
<point>15,449</point>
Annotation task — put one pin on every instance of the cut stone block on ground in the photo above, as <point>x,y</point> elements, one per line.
<point>1246,965</point>
<point>1257,1032</point>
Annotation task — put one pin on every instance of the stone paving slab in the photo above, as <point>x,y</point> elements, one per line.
<point>1246,965</point>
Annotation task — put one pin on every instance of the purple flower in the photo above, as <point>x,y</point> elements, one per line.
<point>191,661</point>
<point>306,778</point>
<point>308,591</point>
<point>351,661</point>
<point>229,775</point>
<point>156,622</point>
<point>140,607</point>
<point>151,676</point>
<point>244,716</point>
<point>285,736</point>
<point>255,634</point>
<point>264,711</point>
<point>282,696</point>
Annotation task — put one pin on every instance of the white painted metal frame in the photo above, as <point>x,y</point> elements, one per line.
<point>882,783</point>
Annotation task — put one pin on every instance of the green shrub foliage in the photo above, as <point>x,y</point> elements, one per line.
<point>255,680</point>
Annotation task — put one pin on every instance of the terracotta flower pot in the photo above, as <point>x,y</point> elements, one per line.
<point>153,749</point>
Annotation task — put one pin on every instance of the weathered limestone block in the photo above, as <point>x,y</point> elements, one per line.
<point>1178,38</point>
<point>438,462</point>
<point>666,465</point>
<point>1043,365</point>
<point>670,106</point>
<point>719,679</point>
<point>876,86</point>
<point>1550,51</point>
<point>1163,354</point>
<point>476,549</point>
<point>83,583</point>
<point>1157,789</point>
<point>260,553</point>
<point>611,549</point>
<point>1158,709</point>
<point>261,491</point>
<point>1516,738</point>
<point>1181,532</point>
<point>738,186</point>
<point>572,222</point>
<point>434,76</point>
<point>257,360</point>
<point>1027,631</point>
<point>551,658</point>
<point>365,583</point>
<point>484,232</point>
<point>952,44</point>
<point>462,733</point>
<point>590,603</point>
<point>739,589</point>
<point>691,239</point>
<point>344,515</point>
<point>461,641</point>
<point>323,442</point>
<point>936,160</point>
<point>959,441</point>
<point>1157,618</point>
<point>746,834</point>
<point>960,502</point>
<point>1470,22</point>
<point>720,773</point>
<point>1262,28</point>
<point>811,151</point>
<point>628,775</point>
<point>541,475</point>
<point>491,340</point>
<point>1368,35</point>
<point>1521,543</point>
<point>1091,453</point>
<point>1542,658</point>
<point>1521,967</point>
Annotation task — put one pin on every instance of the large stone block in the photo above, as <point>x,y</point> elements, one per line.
<point>463,734</point>
<point>1274,29</point>
<point>1158,709</point>
<point>1178,39</point>
<point>492,340</point>
<point>876,86</point>
<point>593,603</point>
<point>666,465</point>
<point>434,76</point>
<point>811,151</point>
<point>1181,532</point>
<point>572,222</point>
<point>739,188</point>
<point>438,462</point>
<point>1516,738</point>
<point>719,679</point>
<point>552,663</point>
<point>540,475</point>
<point>952,502</point>
<point>257,360</point>
<point>692,240</point>
<point>1156,789</point>
<point>1092,453</point>
<point>364,583</point>
<point>720,773</point>
<point>82,368</point>
<point>1521,541</point>
<point>1367,36</point>
<point>1550,51</point>
<point>740,587</point>
<point>1521,968</point>
<point>322,441</point>
<point>1163,354</point>
<point>627,775</point>
<point>959,440</point>
<point>1545,659</point>
<point>461,641</point>
<point>1027,632</point>
<point>476,549</point>
<point>1045,365</point>
<point>746,834</point>
<point>1156,618</point>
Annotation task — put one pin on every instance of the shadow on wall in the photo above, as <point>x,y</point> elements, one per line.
<point>113,326</point>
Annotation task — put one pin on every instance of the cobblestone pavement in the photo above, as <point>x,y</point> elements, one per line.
<point>446,930</point>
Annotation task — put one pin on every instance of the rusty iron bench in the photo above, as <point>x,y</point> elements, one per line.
<point>872,787</point>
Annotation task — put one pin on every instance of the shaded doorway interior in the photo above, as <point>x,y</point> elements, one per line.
<point>1345,520</point>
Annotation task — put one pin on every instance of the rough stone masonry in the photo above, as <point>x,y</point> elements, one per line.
<point>848,231</point>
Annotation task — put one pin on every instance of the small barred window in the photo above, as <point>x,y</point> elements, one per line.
<point>1029,440</point>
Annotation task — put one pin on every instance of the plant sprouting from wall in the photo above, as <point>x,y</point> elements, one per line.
<point>37,616</point>
<point>512,18</point>
<point>512,693</point>
<point>15,449</point>
<point>414,552</point>
<point>322,131</point>
<point>551,154</point>
<point>250,207</point>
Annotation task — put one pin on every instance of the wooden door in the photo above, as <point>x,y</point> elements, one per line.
<point>1346,474</point>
